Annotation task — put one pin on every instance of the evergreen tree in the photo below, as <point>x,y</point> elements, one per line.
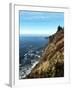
<point>59,28</point>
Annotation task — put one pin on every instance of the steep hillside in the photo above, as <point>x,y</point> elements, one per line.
<point>52,61</point>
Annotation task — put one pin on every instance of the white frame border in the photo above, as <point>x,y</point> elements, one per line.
<point>14,40</point>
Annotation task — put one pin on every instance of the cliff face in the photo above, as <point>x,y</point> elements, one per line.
<point>52,61</point>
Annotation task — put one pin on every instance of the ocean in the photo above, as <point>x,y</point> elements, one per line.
<point>30,51</point>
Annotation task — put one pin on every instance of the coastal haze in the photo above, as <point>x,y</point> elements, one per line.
<point>35,29</point>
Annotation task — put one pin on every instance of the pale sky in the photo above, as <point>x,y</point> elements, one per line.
<point>40,23</point>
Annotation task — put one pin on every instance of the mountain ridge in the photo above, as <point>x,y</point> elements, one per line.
<point>52,61</point>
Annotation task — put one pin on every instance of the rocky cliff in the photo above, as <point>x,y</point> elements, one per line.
<point>52,61</point>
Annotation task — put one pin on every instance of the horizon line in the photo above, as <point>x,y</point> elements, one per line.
<point>40,35</point>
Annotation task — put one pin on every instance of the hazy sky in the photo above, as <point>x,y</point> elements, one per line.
<point>44,23</point>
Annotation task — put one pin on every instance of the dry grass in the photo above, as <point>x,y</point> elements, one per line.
<point>52,60</point>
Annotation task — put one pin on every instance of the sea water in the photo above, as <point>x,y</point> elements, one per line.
<point>30,51</point>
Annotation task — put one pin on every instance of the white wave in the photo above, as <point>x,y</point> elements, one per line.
<point>29,70</point>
